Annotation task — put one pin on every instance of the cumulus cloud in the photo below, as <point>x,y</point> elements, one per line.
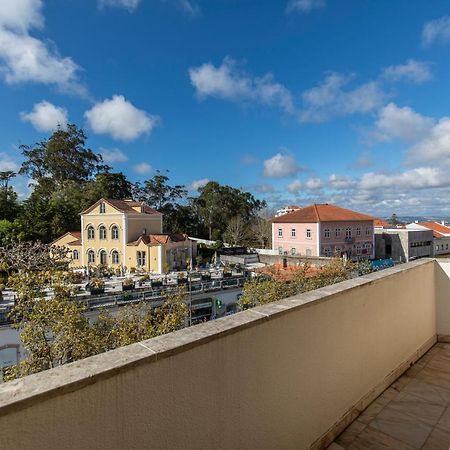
<point>120,119</point>
<point>294,187</point>
<point>330,99</point>
<point>264,188</point>
<point>197,184</point>
<point>113,155</point>
<point>435,146</point>
<point>129,5</point>
<point>314,183</point>
<point>24,58</point>
<point>304,6</point>
<point>143,168</point>
<point>414,71</point>
<point>46,117</point>
<point>436,31</point>
<point>280,166</point>
<point>228,82</point>
<point>403,123</point>
<point>7,163</point>
<point>418,178</point>
<point>186,6</point>
<point>341,182</point>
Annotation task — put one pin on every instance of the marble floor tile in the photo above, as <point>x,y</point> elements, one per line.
<point>439,439</point>
<point>427,392</point>
<point>350,433</point>
<point>371,439</point>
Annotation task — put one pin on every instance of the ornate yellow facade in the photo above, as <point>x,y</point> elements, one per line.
<point>125,234</point>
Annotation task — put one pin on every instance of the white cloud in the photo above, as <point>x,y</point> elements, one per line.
<point>130,5</point>
<point>46,117</point>
<point>197,184</point>
<point>280,166</point>
<point>21,15</point>
<point>294,187</point>
<point>113,155</point>
<point>435,146</point>
<point>436,30</point>
<point>189,7</point>
<point>415,71</point>
<point>418,178</point>
<point>143,168</point>
<point>304,6</point>
<point>227,82</point>
<point>7,163</point>
<point>314,183</point>
<point>119,118</point>
<point>24,58</point>
<point>264,188</point>
<point>404,123</point>
<point>341,182</point>
<point>329,99</point>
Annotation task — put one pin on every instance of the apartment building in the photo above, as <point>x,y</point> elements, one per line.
<point>324,230</point>
<point>441,236</point>
<point>125,234</point>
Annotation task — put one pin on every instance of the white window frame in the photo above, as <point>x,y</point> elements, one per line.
<point>358,231</point>
<point>327,233</point>
<point>308,233</point>
<point>90,232</point>
<point>102,208</point>
<point>337,232</point>
<point>91,256</point>
<point>348,232</point>
<point>293,251</point>
<point>293,232</point>
<point>280,232</point>
<point>102,233</point>
<point>141,258</point>
<point>75,255</point>
<point>115,257</point>
<point>115,232</point>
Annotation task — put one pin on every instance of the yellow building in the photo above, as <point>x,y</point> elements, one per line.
<point>125,234</point>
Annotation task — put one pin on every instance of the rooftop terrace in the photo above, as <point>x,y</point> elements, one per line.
<point>292,374</point>
<point>413,413</point>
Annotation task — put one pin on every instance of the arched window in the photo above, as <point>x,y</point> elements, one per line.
<point>75,255</point>
<point>102,232</point>
<point>115,257</point>
<point>91,256</point>
<point>115,232</point>
<point>103,257</point>
<point>91,232</point>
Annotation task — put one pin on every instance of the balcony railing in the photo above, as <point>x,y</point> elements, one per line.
<point>291,374</point>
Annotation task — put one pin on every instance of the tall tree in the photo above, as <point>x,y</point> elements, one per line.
<point>236,232</point>
<point>217,204</point>
<point>158,193</point>
<point>9,206</point>
<point>63,157</point>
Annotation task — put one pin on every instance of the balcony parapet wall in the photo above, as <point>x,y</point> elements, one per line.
<point>291,374</point>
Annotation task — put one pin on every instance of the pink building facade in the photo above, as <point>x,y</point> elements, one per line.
<point>306,233</point>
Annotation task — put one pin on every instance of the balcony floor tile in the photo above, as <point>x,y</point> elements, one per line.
<point>414,413</point>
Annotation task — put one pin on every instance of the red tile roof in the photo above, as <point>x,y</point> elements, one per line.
<point>381,223</point>
<point>439,228</point>
<point>160,239</point>
<point>125,206</point>
<point>321,213</point>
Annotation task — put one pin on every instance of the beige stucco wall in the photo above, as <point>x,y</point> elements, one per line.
<point>63,241</point>
<point>275,377</point>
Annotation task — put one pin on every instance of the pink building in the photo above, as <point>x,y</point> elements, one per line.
<point>324,230</point>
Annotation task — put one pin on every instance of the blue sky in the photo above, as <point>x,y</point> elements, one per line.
<point>299,101</point>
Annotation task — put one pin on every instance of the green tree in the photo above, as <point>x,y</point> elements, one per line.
<point>262,290</point>
<point>9,206</point>
<point>63,157</point>
<point>218,204</point>
<point>158,193</point>
<point>108,185</point>
<point>54,329</point>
